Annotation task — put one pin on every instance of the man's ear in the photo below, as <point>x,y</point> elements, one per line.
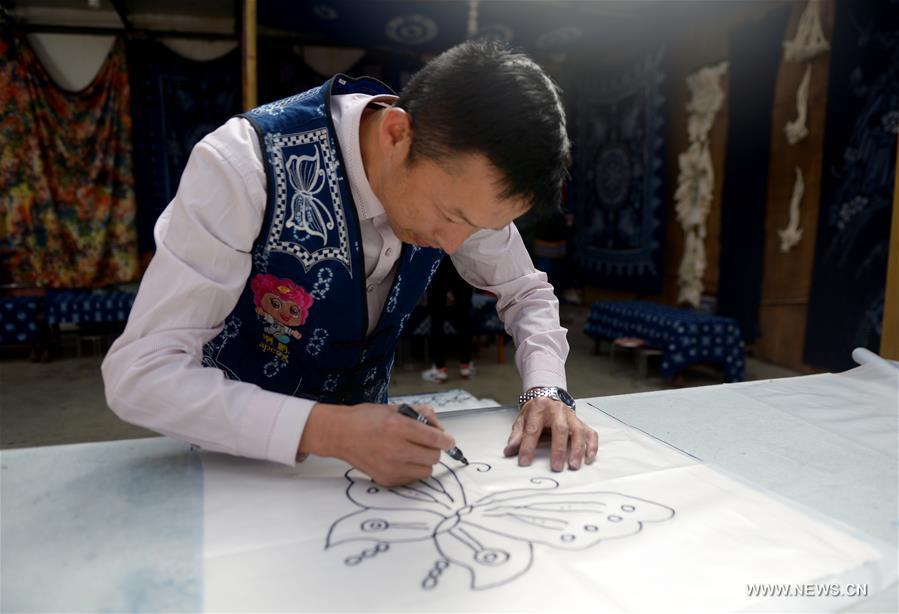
<point>395,133</point>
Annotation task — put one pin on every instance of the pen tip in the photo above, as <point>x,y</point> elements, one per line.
<point>464,461</point>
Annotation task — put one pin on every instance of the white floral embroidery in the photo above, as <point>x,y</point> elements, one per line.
<point>317,342</point>
<point>322,285</point>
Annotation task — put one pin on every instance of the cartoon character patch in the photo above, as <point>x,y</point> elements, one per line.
<point>281,304</point>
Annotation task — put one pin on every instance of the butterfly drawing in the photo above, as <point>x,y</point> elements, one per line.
<point>308,213</point>
<point>493,537</point>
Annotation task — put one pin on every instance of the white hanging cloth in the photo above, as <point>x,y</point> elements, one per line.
<point>809,40</point>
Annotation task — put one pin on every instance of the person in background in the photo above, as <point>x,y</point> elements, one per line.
<point>447,280</point>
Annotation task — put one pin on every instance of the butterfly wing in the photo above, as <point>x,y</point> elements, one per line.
<point>571,521</point>
<point>491,558</point>
<point>383,526</point>
<point>430,494</point>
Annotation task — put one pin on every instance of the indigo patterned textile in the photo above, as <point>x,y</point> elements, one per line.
<point>847,299</point>
<point>618,174</point>
<point>66,198</point>
<point>685,336</point>
<point>755,53</point>
<point>83,307</point>
<point>176,103</point>
<point>18,320</point>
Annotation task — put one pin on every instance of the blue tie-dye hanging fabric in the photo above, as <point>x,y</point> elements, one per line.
<point>849,279</point>
<point>300,325</point>
<point>619,176</point>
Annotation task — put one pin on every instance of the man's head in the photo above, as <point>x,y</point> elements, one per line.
<point>476,138</point>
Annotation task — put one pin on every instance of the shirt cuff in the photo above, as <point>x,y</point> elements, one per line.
<point>273,425</point>
<point>543,377</point>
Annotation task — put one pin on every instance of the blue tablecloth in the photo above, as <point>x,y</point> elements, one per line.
<point>18,320</point>
<point>74,307</point>
<point>685,336</point>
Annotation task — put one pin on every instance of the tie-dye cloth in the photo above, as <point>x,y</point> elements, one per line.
<point>66,192</point>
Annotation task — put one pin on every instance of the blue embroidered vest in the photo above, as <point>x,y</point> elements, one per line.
<point>299,327</point>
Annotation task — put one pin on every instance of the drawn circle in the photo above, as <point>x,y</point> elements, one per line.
<point>614,518</point>
<point>353,560</point>
<point>411,29</point>
<point>567,537</point>
<point>441,565</point>
<point>490,557</point>
<point>429,583</point>
<point>613,173</point>
<point>375,524</point>
<point>540,482</point>
<point>591,528</point>
<point>627,508</point>
<point>480,467</point>
<point>372,490</point>
<point>382,547</point>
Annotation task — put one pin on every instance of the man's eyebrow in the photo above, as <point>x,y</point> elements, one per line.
<point>458,213</point>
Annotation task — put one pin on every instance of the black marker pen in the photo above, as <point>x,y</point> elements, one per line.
<point>454,452</point>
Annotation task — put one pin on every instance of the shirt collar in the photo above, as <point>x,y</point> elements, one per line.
<point>350,111</point>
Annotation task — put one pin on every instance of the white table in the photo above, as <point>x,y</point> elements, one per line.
<point>118,526</point>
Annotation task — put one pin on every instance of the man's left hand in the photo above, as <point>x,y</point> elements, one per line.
<point>545,414</point>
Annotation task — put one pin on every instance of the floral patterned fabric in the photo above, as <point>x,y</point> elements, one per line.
<point>66,192</point>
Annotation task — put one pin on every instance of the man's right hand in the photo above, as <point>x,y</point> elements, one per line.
<point>377,440</point>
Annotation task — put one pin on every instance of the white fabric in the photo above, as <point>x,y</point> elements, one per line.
<point>645,528</point>
<point>796,130</point>
<point>809,41</point>
<point>152,373</point>
<point>696,179</point>
<point>792,233</point>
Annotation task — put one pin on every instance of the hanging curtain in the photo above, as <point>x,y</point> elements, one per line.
<point>176,102</point>
<point>66,198</point>
<point>847,300</point>
<point>619,176</point>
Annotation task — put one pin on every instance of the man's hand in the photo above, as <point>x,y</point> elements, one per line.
<point>377,439</point>
<point>542,414</point>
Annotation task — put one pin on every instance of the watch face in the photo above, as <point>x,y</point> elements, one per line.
<point>566,398</point>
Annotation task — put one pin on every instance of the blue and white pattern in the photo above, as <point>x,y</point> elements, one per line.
<point>619,178</point>
<point>18,321</point>
<point>331,383</point>
<point>394,294</point>
<point>75,307</point>
<point>310,167</point>
<point>316,343</point>
<point>322,284</point>
<point>685,336</point>
<point>213,348</point>
<point>859,167</point>
<point>277,107</point>
<point>411,29</point>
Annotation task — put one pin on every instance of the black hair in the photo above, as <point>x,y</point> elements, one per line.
<point>482,97</point>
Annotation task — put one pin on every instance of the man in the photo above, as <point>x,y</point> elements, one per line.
<point>303,234</point>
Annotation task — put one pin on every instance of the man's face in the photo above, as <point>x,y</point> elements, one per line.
<point>441,204</point>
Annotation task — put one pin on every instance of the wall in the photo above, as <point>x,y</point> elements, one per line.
<point>787,280</point>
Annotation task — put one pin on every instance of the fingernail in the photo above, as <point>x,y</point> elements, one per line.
<point>524,461</point>
<point>576,464</point>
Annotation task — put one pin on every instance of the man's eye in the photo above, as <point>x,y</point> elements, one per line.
<point>294,310</point>
<point>276,303</point>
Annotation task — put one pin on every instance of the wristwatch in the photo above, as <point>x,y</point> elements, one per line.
<point>553,392</point>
